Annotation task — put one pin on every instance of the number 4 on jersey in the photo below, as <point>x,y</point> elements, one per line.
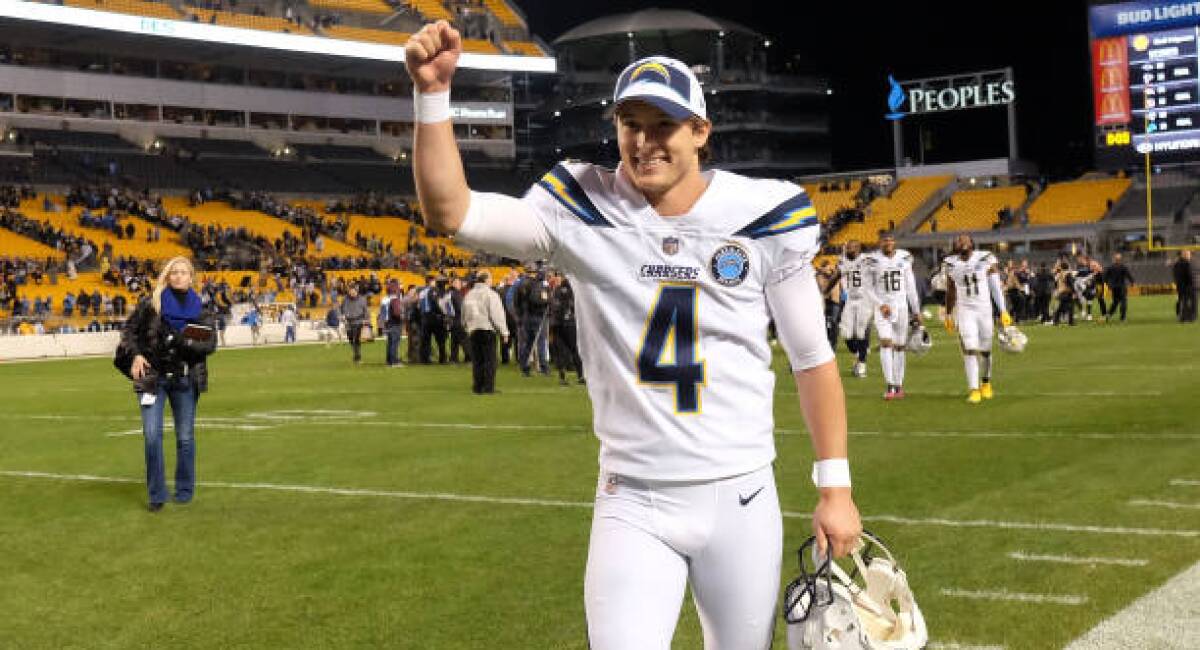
<point>669,346</point>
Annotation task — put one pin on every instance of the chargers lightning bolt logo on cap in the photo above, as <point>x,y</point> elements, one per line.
<point>895,100</point>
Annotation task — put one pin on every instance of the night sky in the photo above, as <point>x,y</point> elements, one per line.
<point>857,44</point>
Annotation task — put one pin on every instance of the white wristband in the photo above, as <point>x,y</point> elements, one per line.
<point>430,108</point>
<point>833,472</point>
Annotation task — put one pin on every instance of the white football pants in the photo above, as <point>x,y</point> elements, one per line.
<point>650,539</point>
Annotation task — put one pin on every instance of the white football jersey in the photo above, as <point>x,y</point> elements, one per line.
<point>970,278</point>
<point>888,276</point>
<point>672,311</point>
<point>854,277</point>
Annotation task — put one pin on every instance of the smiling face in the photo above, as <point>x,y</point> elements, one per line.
<point>658,153</point>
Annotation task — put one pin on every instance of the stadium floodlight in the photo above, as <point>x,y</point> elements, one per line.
<point>198,31</point>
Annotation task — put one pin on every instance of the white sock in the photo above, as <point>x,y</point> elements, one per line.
<point>885,360</point>
<point>971,364</point>
<point>985,366</point>
<point>898,366</point>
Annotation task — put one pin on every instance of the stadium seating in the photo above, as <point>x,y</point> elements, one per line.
<point>394,230</point>
<point>83,283</point>
<point>975,209</point>
<point>384,36</point>
<point>68,220</point>
<point>479,46</point>
<point>523,48</point>
<point>431,9</point>
<point>1080,201</point>
<point>14,245</point>
<point>828,203</point>
<point>257,223</point>
<point>135,7</point>
<point>363,6</point>
<point>504,13</point>
<point>889,211</point>
<point>248,21</point>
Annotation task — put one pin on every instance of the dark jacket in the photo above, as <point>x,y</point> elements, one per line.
<point>148,334</point>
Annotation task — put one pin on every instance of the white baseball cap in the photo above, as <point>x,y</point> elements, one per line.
<point>665,83</point>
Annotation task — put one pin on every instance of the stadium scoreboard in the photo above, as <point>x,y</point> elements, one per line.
<point>1146,80</point>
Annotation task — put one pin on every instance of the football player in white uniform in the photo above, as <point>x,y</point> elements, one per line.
<point>893,291</point>
<point>677,273</point>
<point>858,310</point>
<point>973,286</point>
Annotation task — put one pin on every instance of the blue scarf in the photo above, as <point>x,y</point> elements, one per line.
<point>180,314</point>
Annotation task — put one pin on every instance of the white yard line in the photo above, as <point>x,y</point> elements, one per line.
<point>1172,505</point>
<point>1023,556</point>
<point>471,498</point>
<point>1166,618</point>
<point>1000,594</point>
<point>1185,482</point>
<point>954,645</point>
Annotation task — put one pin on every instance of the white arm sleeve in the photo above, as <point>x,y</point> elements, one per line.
<point>504,225</point>
<point>997,291</point>
<point>910,288</point>
<point>799,313</point>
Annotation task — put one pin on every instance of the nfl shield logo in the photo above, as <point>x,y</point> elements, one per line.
<point>670,245</point>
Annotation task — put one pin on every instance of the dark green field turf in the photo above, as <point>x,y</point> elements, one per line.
<point>1090,428</point>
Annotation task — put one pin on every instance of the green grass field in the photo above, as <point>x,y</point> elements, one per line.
<point>1093,429</point>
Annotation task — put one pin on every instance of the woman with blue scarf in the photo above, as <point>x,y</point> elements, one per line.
<point>170,335</point>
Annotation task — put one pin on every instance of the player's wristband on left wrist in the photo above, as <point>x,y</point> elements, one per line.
<point>431,108</point>
<point>831,472</point>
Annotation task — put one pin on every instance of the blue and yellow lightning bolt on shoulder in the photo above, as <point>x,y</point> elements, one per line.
<point>562,186</point>
<point>793,214</point>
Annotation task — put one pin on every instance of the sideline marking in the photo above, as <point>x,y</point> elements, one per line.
<point>1001,594</point>
<point>469,498</point>
<point>1167,617</point>
<point>1070,559</point>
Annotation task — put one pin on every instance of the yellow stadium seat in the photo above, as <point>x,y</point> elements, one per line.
<point>828,202</point>
<point>364,6</point>
<point>68,220</point>
<point>890,211</point>
<point>524,48</point>
<point>223,215</point>
<point>504,13</point>
<point>431,9</point>
<point>1082,201</point>
<point>975,209</point>
<point>134,7</point>
<point>367,35</point>
<point>15,245</point>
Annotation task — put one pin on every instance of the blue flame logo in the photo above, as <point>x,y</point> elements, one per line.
<point>895,100</point>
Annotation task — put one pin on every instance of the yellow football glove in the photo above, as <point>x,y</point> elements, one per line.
<point>1005,319</point>
<point>949,323</point>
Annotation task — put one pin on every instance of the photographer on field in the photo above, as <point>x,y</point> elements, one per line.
<point>164,347</point>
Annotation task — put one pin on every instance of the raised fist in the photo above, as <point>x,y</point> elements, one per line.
<point>431,56</point>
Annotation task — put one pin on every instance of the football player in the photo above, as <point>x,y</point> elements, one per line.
<point>893,292</point>
<point>973,287</point>
<point>858,308</point>
<point>677,273</point>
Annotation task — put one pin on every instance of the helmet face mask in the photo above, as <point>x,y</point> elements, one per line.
<point>866,606</point>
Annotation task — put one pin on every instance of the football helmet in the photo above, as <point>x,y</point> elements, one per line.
<point>919,341</point>
<point>870,608</point>
<point>1012,339</point>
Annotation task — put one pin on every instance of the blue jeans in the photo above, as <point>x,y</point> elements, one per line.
<point>533,341</point>
<point>183,400</point>
<point>394,333</point>
<point>289,334</point>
